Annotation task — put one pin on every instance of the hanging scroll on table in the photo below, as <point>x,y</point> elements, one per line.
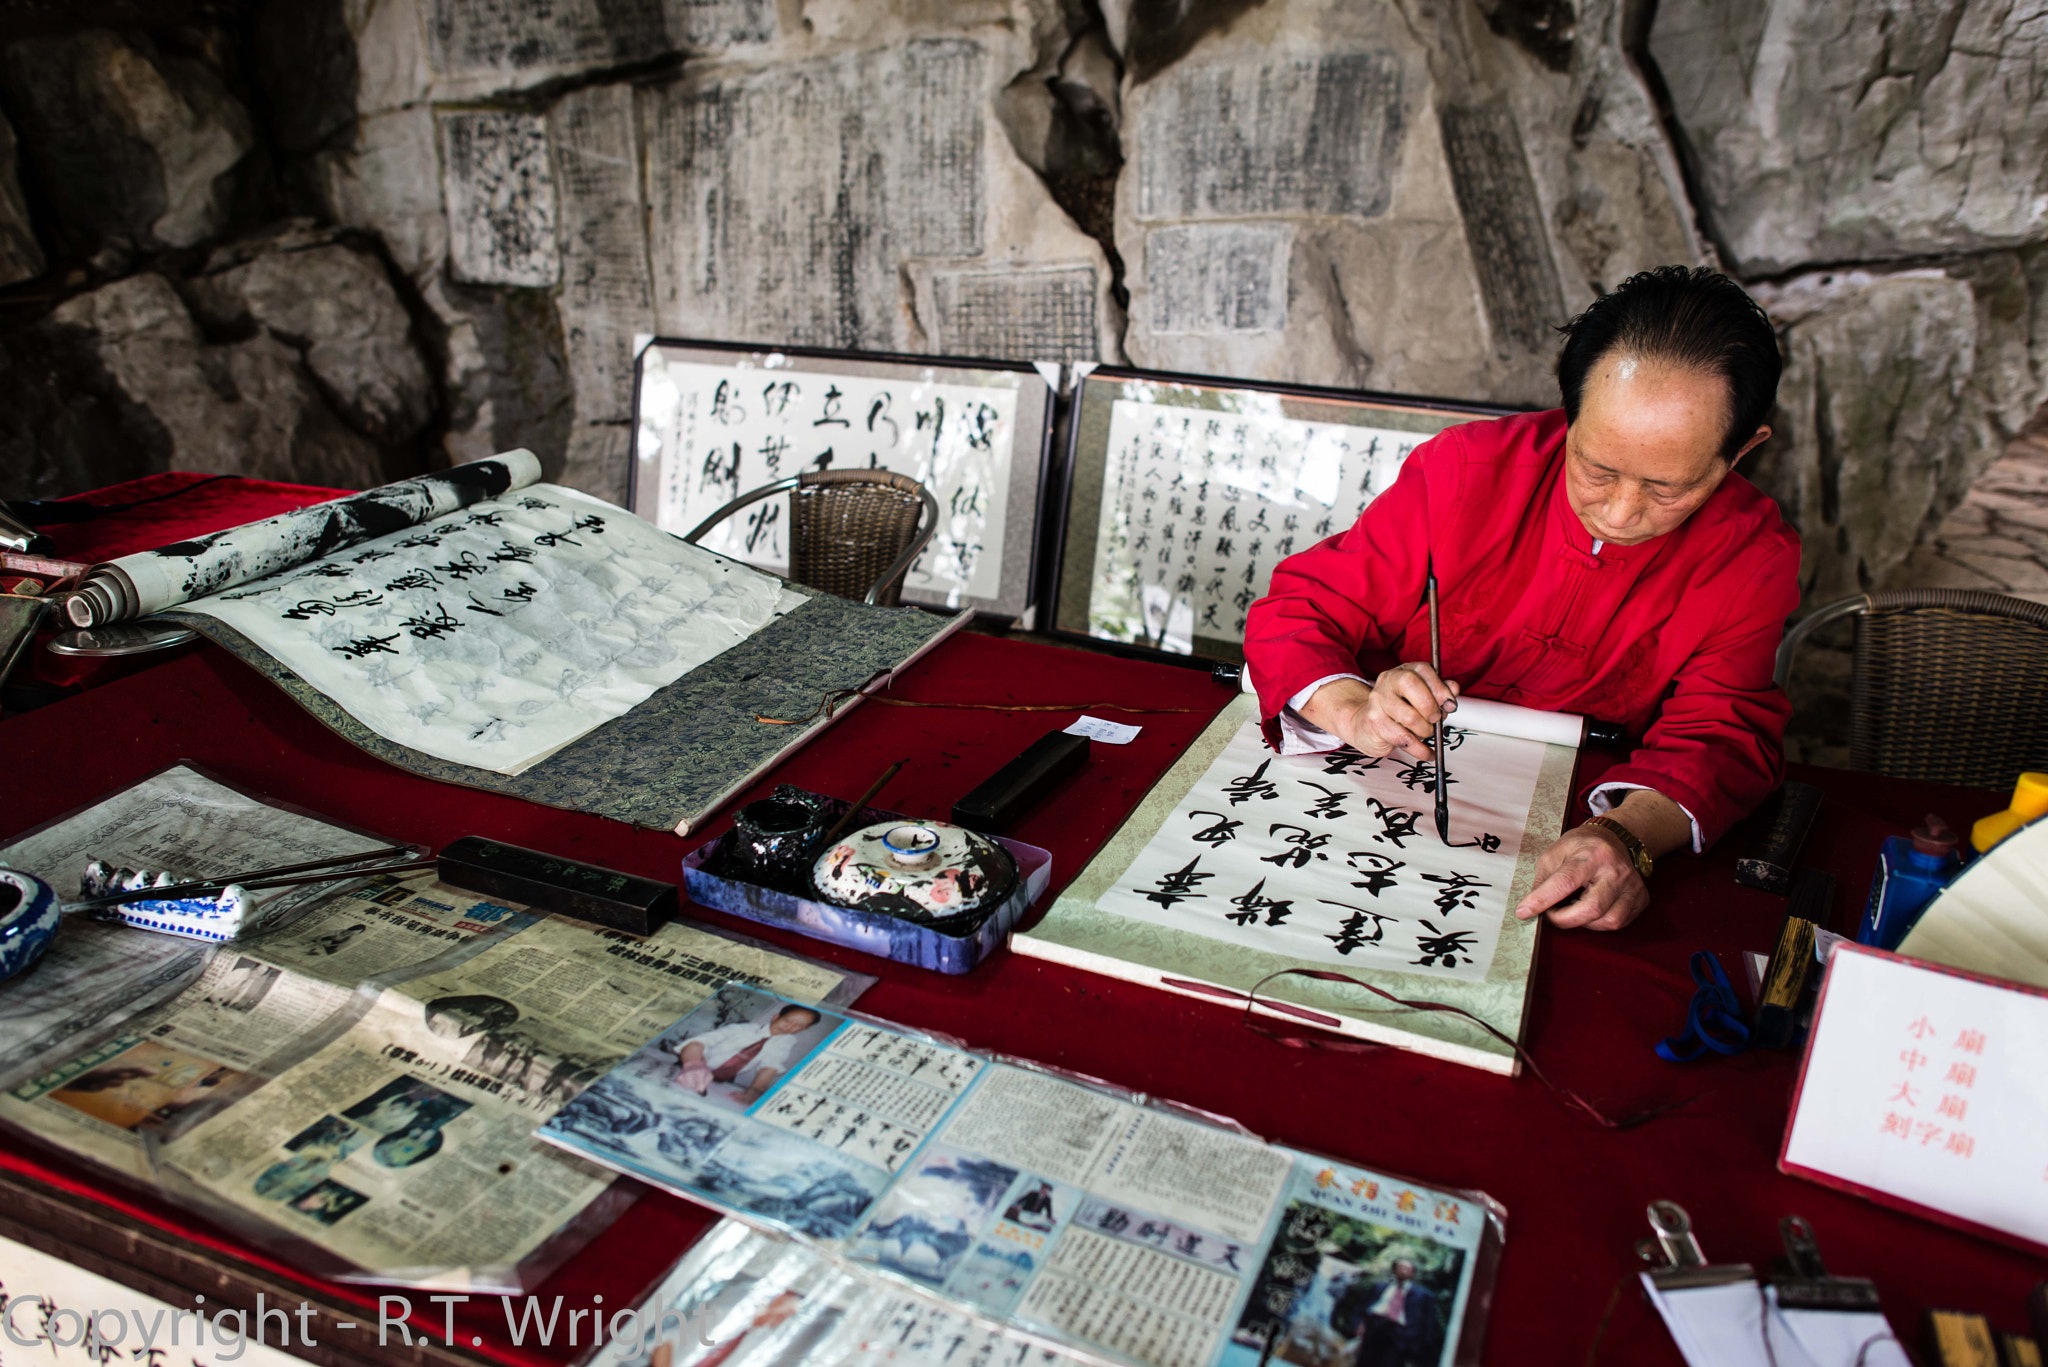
<point>1184,492</point>
<point>715,421</point>
<point>1242,863</point>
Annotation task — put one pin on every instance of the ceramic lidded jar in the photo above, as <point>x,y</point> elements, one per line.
<point>28,920</point>
<point>915,870</point>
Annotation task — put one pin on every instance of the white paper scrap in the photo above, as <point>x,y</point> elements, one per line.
<point>1108,732</point>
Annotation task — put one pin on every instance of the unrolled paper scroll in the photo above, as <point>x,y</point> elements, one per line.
<point>150,581</point>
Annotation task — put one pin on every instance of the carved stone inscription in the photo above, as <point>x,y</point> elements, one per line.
<point>1503,223</point>
<point>1224,277</point>
<point>1304,135</point>
<point>518,35</point>
<point>500,195</point>
<point>791,196</point>
<point>1046,315</point>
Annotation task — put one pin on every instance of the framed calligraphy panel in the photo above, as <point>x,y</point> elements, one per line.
<point>1183,492</point>
<point>714,420</point>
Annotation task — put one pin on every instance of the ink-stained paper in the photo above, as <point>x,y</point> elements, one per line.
<point>502,632</point>
<point>1241,864</point>
<point>720,430</point>
<point>1199,504</point>
<point>1335,859</point>
<point>150,581</point>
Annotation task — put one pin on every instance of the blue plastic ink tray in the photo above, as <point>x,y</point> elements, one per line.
<point>868,931</point>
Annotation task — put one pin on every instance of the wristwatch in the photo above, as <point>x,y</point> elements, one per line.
<point>1638,856</point>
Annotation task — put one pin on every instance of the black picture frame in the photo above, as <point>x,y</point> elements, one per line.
<point>1070,607</point>
<point>1029,459</point>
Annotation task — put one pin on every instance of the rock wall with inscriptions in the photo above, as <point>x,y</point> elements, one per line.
<point>1405,195</point>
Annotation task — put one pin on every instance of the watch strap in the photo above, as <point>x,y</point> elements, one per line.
<point>1638,855</point>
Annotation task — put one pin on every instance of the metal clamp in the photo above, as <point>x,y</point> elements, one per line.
<point>1674,1255</point>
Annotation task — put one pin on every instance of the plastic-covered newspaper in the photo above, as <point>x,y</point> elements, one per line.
<point>1067,1214</point>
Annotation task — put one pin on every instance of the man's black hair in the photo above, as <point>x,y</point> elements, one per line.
<point>1690,317</point>
<point>815,1014</point>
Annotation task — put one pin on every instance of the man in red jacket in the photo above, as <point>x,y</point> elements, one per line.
<point>1602,559</point>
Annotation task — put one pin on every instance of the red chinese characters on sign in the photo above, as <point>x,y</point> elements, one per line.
<point>1953,1107</point>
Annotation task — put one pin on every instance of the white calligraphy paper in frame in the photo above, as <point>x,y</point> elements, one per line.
<point>1183,492</point>
<point>715,420</point>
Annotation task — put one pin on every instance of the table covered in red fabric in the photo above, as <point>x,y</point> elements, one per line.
<point>1574,1193</point>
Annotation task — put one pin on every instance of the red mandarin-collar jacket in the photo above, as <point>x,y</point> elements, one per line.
<point>1674,638</point>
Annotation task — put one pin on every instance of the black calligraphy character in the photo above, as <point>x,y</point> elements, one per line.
<point>832,418</point>
<point>1441,948</point>
<point>1258,522</point>
<point>1230,1258</point>
<point>1395,826</point>
<point>553,539</point>
<point>463,566</point>
<point>878,412</point>
<point>416,542</point>
<point>535,505</point>
<point>1229,522</point>
<point>509,554</point>
<point>1245,787</point>
<point>1375,870</point>
<point>823,461</point>
<point>1209,616</point>
<point>1422,774</point>
<point>761,524</point>
<point>369,645</point>
<point>1359,929</point>
<point>1250,904</point>
<point>1330,805</point>
<point>413,579</point>
<point>1222,832</point>
<point>721,470</point>
<point>309,608</point>
<point>967,502</point>
<point>494,729</point>
<point>521,593</point>
<point>432,628</point>
<point>1349,761</point>
<point>475,606</point>
<point>367,556</point>
<point>1485,843</point>
<point>775,398</point>
<point>1177,886</point>
<point>1188,1242</point>
<point>484,519</point>
<point>723,406</point>
<point>772,451</point>
<point>330,571</point>
<point>981,434</point>
<point>361,598</point>
<point>1460,890</point>
<point>1306,847</point>
<point>1454,736</point>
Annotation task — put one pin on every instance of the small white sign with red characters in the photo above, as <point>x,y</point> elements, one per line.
<point>1924,1088</point>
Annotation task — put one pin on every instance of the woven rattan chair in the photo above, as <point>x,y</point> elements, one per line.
<point>1949,685</point>
<point>851,532</point>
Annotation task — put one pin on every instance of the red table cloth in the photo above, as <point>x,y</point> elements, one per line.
<point>1575,1194</point>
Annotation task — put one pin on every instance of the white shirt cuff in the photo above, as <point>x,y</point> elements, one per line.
<point>1601,802</point>
<point>1299,735</point>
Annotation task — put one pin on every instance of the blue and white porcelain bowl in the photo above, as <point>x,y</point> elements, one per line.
<point>28,920</point>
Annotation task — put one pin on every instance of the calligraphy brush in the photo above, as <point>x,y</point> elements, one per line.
<point>1436,663</point>
<point>860,803</point>
<point>257,879</point>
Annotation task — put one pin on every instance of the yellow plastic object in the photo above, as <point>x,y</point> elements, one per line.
<point>2029,800</point>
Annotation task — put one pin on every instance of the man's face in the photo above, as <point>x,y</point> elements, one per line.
<point>792,1022</point>
<point>1404,1271</point>
<point>1645,452</point>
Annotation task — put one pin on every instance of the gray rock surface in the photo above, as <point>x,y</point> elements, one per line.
<point>337,306</point>
<point>134,148</point>
<point>499,189</point>
<point>1899,390</point>
<point>1832,131</point>
<point>244,408</point>
<point>21,256</point>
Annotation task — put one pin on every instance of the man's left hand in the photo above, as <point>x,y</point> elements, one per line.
<point>1592,862</point>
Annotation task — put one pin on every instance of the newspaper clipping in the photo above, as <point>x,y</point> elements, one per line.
<point>95,973</point>
<point>1076,1214</point>
<point>406,1146</point>
<point>260,1003</point>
